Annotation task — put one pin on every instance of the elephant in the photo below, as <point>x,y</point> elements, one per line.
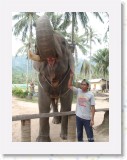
<point>103,86</point>
<point>54,61</point>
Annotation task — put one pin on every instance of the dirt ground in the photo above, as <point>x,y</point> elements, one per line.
<point>21,107</point>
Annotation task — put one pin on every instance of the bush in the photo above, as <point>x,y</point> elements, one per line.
<point>19,92</point>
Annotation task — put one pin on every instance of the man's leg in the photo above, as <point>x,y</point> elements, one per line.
<point>89,130</point>
<point>79,125</point>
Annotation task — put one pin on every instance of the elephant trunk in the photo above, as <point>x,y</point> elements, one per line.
<point>45,39</point>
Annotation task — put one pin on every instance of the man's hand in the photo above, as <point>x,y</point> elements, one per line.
<point>92,115</point>
<point>91,122</point>
<point>70,85</point>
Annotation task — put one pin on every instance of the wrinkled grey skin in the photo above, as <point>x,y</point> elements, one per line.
<point>52,44</point>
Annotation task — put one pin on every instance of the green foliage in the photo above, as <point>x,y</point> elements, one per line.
<point>101,60</point>
<point>19,92</point>
<point>25,24</point>
<point>19,70</point>
<point>85,69</point>
<point>18,77</point>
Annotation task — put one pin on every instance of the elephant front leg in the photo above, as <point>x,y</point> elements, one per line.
<point>44,131</point>
<point>65,106</point>
<point>64,126</point>
<point>44,102</point>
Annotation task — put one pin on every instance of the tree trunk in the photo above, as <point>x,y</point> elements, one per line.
<point>72,38</point>
<point>90,58</point>
<point>29,47</point>
<point>27,71</point>
<point>76,56</point>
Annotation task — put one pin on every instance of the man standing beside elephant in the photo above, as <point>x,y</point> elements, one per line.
<point>85,109</point>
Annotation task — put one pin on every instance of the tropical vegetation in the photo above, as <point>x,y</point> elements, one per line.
<point>24,27</point>
<point>101,60</point>
<point>67,23</point>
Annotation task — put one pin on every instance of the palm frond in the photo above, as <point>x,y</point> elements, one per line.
<point>85,68</point>
<point>101,59</point>
<point>83,18</point>
<point>97,15</point>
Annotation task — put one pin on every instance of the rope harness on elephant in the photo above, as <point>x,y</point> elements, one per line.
<point>60,82</point>
<point>60,95</point>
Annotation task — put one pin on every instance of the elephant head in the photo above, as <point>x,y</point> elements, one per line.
<point>53,54</point>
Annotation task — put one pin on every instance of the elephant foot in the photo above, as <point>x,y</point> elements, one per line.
<point>56,120</point>
<point>43,139</point>
<point>63,136</point>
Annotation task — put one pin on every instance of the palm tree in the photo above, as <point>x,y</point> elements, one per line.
<point>24,50</point>
<point>57,22</point>
<point>101,60</point>
<point>80,42</point>
<point>84,18</point>
<point>25,25</point>
<point>72,17</point>
<point>92,37</point>
<point>85,69</point>
<point>106,17</point>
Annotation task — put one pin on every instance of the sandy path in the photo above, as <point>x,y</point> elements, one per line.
<point>22,107</point>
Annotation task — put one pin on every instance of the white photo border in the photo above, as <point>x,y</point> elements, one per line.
<point>113,7</point>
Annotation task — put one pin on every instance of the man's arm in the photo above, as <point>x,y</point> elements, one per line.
<point>70,85</point>
<point>92,115</point>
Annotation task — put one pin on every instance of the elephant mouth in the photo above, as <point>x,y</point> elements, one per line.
<point>51,61</point>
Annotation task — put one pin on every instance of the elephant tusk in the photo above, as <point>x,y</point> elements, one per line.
<point>34,57</point>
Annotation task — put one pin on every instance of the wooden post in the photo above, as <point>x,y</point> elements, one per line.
<point>26,130</point>
<point>72,128</point>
